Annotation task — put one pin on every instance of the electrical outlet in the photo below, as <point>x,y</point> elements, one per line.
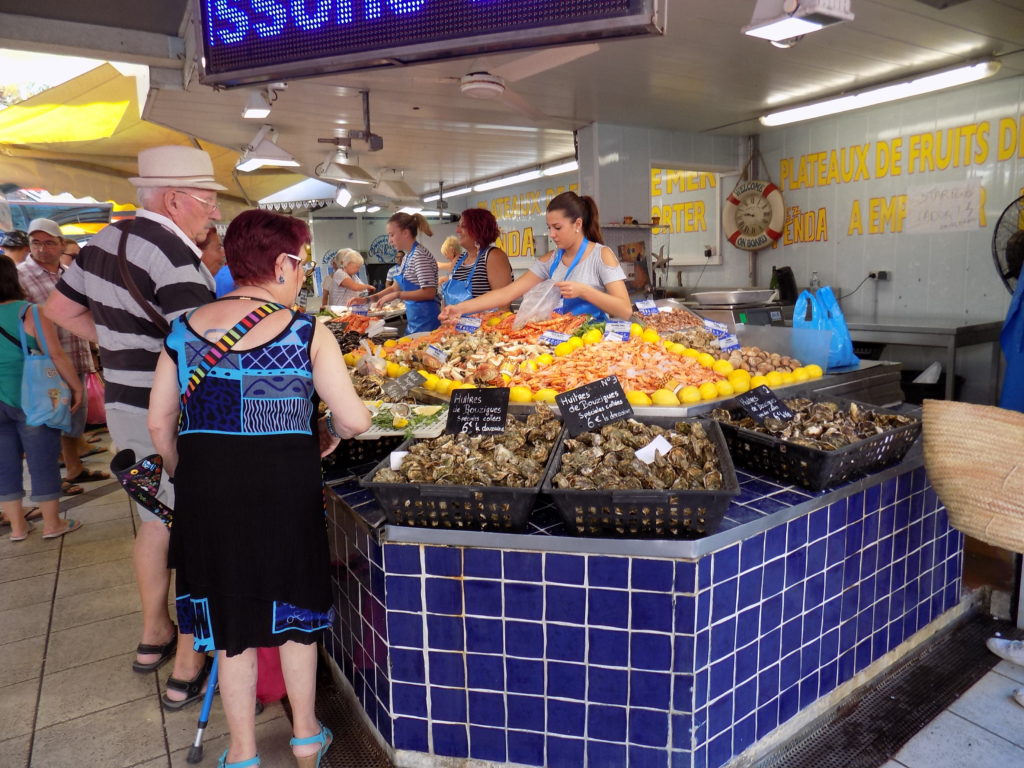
<point>709,251</point>
<point>880,274</point>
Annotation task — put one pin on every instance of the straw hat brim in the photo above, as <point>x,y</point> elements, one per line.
<point>186,182</point>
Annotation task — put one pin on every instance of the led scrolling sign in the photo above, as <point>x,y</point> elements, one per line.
<point>253,41</point>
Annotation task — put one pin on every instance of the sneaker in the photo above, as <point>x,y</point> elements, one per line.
<point>1010,650</point>
<point>1018,696</point>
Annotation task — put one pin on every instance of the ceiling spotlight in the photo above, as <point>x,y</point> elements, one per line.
<point>335,169</point>
<point>789,42</point>
<point>410,209</point>
<point>257,106</point>
<point>395,188</point>
<point>264,151</point>
<point>372,208</point>
<point>361,208</point>
<point>343,196</point>
<point>786,19</point>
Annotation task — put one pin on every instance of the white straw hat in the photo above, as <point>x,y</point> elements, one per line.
<point>175,166</point>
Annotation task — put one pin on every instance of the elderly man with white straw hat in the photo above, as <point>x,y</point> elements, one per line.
<point>126,285</point>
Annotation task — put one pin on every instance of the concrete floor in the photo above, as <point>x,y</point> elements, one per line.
<point>69,621</point>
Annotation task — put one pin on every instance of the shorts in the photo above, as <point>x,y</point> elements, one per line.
<point>78,417</point>
<point>128,430</point>
<point>41,448</point>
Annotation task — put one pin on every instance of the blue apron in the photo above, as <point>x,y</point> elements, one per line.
<point>1012,342</point>
<point>419,315</point>
<point>456,291</point>
<point>575,306</point>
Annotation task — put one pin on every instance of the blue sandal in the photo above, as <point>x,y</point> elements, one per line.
<point>324,739</point>
<point>252,762</point>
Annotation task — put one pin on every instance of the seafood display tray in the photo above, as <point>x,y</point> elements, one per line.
<point>353,452</point>
<point>647,513</point>
<point>814,468</point>
<point>431,430</point>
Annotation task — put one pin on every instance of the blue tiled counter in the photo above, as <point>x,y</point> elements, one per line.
<point>550,650</point>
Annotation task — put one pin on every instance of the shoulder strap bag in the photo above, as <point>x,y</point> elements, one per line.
<point>126,276</point>
<point>45,396</point>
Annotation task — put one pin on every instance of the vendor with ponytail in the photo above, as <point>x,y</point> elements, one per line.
<point>587,273</point>
<point>416,281</point>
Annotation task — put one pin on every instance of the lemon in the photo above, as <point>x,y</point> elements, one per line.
<point>664,397</point>
<point>689,395</point>
<point>404,339</point>
<point>757,381</point>
<point>671,385</point>
<point>544,359</point>
<point>708,390</point>
<point>706,359</point>
<point>462,385</point>
<point>394,370</point>
<point>650,335</point>
<point>350,359</point>
<point>774,379</point>
<point>677,349</point>
<point>739,386</point>
<point>507,378</point>
<point>520,395</point>
<point>575,342</point>
<point>443,386</point>
<point>546,395</point>
<point>529,366</point>
<point>399,422</point>
<point>495,320</point>
<point>738,375</point>
<point>814,371</point>
<point>788,378</point>
<point>592,336</point>
<point>636,397</point>
<point>690,352</point>
<point>723,367</point>
<point>431,379</point>
<point>390,343</point>
<point>563,349</point>
<point>426,410</point>
<point>635,329</point>
<point>725,389</point>
<point>800,374</point>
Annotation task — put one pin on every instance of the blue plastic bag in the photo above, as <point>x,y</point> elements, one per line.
<point>825,315</point>
<point>1012,341</point>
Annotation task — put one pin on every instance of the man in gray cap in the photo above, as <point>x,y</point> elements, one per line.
<point>15,245</point>
<point>131,279</point>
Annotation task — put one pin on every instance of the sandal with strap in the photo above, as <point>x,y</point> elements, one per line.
<point>250,763</point>
<point>193,689</point>
<point>166,651</point>
<point>324,739</point>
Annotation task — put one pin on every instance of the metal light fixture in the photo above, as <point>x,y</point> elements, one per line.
<point>778,20</point>
<point>335,168</point>
<point>372,208</point>
<point>263,150</point>
<point>259,103</point>
<point>343,196</point>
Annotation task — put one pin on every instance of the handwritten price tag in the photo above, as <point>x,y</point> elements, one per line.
<point>761,403</point>
<point>593,405</point>
<point>478,411</point>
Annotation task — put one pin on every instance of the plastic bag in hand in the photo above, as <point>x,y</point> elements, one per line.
<point>538,304</point>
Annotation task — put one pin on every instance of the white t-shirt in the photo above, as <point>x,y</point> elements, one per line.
<point>339,295</point>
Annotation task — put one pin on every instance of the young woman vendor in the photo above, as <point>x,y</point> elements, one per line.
<point>586,272</point>
<point>416,281</point>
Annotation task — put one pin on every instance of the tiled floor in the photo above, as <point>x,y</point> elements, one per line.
<point>68,698</point>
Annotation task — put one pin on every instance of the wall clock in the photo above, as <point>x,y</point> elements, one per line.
<point>753,215</point>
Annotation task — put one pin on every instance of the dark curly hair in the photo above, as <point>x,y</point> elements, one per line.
<point>10,287</point>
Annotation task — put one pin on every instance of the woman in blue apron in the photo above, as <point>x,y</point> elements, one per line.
<point>1012,336</point>
<point>416,281</point>
<point>587,274</point>
<point>483,267</point>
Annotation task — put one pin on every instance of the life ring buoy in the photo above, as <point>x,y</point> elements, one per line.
<point>753,215</point>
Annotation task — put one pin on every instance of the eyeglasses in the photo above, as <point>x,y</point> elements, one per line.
<point>211,207</point>
<point>306,264</point>
<point>45,243</point>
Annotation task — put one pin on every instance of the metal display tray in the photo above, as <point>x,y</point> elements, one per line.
<point>716,298</point>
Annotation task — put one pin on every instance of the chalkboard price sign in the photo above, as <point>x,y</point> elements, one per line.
<point>593,405</point>
<point>761,403</point>
<point>399,387</point>
<point>478,411</point>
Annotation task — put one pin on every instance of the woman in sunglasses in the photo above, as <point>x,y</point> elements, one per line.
<point>243,445</point>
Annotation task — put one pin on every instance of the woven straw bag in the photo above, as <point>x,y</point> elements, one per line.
<point>974,456</point>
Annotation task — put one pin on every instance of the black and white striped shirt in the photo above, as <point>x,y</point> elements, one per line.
<point>481,283</point>
<point>166,268</point>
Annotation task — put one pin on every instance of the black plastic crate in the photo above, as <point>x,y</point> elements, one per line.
<point>353,453</point>
<point>647,513</point>
<point>459,507</point>
<point>815,468</point>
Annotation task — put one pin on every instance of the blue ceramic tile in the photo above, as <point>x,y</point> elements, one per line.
<point>485,672</point>
<point>741,513</point>
<point>444,596</point>
<point>523,601</point>
<point>812,624</point>
<point>409,699</point>
<point>403,593</point>
<point>684,653</point>
<point>566,604</point>
<point>522,566</point>
<point>836,548</point>
<point>744,733</point>
<point>760,486</point>
<point>445,633</point>
<point>846,665</point>
<point>752,552</point>
<point>608,647</point>
<point>767,684</point>
<point>767,718</point>
<point>723,640</point>
<point>446,668</point>
<point>450,740</point>
<point>526,712</point>
<point>481,563</point>
<point>796,533</point>
<point>484,636</point>
<point>648,728</point>
<point>750,588</point>
<point>683,691</point>
<point>767,506</point>
<point>565,643</point>
<point>405,629</point>
<point>411,734</point>
<point>810,658</point>
<point>855,508</point>
<point>483,598</point>
<point>789,670</point>
<point>769,648</point>
<point>448,704</point>
<point>746,662</point>
<point>652,575</point>
<point>832,613</point>
<point>607,686</point>
<point>702,652</point>
<point>725,563</point>
<point>686,576</point>
<point>789,703</point>
<point>377,582</point>
<point>814,590</point>
<point>647,757</point>
<point>830,645</point>
<point>486,709</point>
<point>808,691</point>
<point>836,515</point>
<point>746,625</point>
<point>567,718</point>
<point>564,753</point>
<point>651,611</point>
<point>816,556</point>
<point>817,524</point>
<point>606,723</point>
<point>792,498</point>
<point>567,681</point>
<point>604,754</point>
<point>526,748</point>
<point>703,617</point>
<point>854,537</point>
<point>651,651</point>
<point>681,725</point>
<point>564,569</point>
<point>407,666</point>
<point>487,744</point>
<point>686,613</point>
<point>402,558</point>
<point>774,577</point>
<point>796,566</point>
<point>703,573</point>
<point>608,607</point>
<point>524,638</point>
<point>792,602</point>
<point>443,561</point>
<point>721,677</point>
<point>608,571</point>
<point>719,715</point>
<point>650,689</point>
<point>723,599</point>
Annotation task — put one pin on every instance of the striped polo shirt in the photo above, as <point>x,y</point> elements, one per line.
<point>165,266</point>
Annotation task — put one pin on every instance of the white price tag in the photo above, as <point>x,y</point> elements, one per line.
<point>616,330</point>
<point>360,309</point>
<point>437,353</point>
<point>647,453</point>
<point>717,328</point>
<point>647,307</point>
<point>468,324</point>
<point>553,338</point>
<point>728,343</point>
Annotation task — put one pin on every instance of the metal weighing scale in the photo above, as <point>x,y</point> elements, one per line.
<point>749,307</point>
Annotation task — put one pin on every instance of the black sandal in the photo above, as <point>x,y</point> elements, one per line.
<point>193,689</point>
<point>166,651</point>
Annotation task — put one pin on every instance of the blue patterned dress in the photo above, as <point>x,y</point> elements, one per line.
<point>249,541</point>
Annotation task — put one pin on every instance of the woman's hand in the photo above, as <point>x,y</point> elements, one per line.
<point>451,312</point>
<point>572,290</point>
<point>328,442</point>
<point>77,399</point>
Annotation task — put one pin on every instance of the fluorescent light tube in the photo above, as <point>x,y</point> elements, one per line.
<point>359,209</point>
<point>411,209</point>
<point>566,167</point>
<point>373,209</point>
<point>507,181</point>
<point>885,93</point>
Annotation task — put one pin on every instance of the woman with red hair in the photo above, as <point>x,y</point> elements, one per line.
<point>483,267</point>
